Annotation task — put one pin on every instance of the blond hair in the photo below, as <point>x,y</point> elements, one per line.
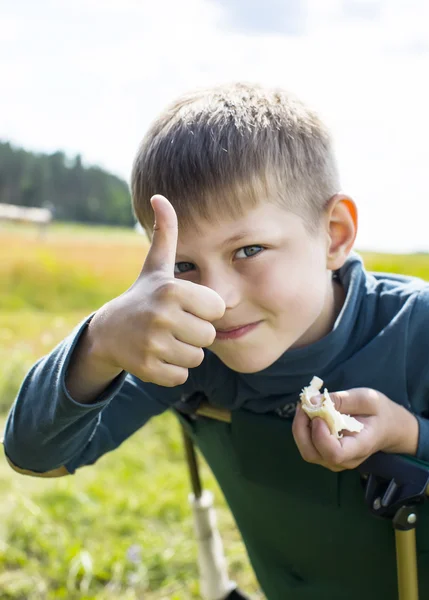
<point>220,151</point>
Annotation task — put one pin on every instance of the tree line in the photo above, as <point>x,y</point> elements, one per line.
<point>72,191</point>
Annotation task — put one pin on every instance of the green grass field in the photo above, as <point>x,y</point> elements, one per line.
<point>120,529</point>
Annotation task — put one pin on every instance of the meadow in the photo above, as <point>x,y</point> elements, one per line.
<point>121,529</point>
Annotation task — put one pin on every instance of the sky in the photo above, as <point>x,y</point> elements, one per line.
<point>89,76</point>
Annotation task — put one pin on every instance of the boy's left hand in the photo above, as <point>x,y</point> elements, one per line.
<point>388,427</point>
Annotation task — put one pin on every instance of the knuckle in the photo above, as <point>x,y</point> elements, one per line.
<point>153,348</point>
<point>146,370</point>
<point>168,291</point>
<point>146,365</point>
<point>160,320</point>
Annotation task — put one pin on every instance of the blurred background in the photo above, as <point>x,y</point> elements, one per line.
<point>80,83</point>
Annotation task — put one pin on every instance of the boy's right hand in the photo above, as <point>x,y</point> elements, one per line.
<point>157,329</point>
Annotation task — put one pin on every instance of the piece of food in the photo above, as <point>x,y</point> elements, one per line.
<point>325,409</point>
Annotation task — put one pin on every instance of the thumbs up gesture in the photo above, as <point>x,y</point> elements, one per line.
<point>158,328</point>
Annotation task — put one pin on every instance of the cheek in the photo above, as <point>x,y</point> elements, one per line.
<point>291,290</point>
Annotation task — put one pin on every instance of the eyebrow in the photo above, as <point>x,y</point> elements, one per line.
<point>242,235</point>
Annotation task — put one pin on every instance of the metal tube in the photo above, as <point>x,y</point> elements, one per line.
<point>212,412</point>
<point>191,458</point>
<point>406,564</point>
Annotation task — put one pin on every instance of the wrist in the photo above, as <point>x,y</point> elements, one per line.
<point>87,377</point>
<point>405,433</point>
<point>94,348</point>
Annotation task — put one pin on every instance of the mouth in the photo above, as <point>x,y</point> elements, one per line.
<point>235,332</point>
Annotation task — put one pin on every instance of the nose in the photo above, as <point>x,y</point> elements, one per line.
<point>227,285</point>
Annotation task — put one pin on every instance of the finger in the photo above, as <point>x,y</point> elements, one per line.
<point>182,355</point>
<point>194,331</point>
<point>162,251</point>
<point>164,374</point>
<point>327,445</point>
<point>201,301</point>
<point>357,401</point>
<point>356,447</point>
<point>345,452</point>
<point>301,431</point>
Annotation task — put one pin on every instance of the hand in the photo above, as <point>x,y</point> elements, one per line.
<point>388,427</point>
<point>156,330</point>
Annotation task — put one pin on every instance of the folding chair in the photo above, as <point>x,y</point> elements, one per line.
<point>394,488</point>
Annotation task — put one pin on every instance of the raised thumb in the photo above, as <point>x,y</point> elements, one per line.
<point>162,251</point>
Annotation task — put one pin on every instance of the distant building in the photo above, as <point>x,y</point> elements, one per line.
<point>25,214</point>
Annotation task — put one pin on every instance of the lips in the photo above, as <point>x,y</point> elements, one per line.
<point>233,328</point>
<point>235,332</point>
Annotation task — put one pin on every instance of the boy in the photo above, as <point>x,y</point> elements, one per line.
<point>250,288</point>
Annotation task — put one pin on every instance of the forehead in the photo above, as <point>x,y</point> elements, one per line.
<point>267,220</point>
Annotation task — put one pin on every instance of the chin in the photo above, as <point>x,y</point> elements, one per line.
<point>246,365</point>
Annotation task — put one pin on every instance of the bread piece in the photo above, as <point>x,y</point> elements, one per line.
<point>326,410</point>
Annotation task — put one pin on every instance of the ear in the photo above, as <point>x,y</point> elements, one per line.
<point>342,226</point>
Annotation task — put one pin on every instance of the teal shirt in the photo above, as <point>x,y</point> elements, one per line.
<point>379,340</point>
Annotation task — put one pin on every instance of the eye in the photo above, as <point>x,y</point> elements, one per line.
<point>249,251</point>
<point>182,267</point>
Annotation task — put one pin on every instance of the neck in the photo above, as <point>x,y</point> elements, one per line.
<point>335,297</point>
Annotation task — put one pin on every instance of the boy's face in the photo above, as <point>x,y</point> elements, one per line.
<point>273,276</point>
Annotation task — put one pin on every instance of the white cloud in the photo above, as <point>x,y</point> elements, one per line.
<point>89,76</point>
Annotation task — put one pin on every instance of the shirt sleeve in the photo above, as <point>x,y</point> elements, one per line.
<point>417,343</point>
<point>46,428</point>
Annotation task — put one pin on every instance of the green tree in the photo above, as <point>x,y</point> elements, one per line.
<point>74,192</point>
